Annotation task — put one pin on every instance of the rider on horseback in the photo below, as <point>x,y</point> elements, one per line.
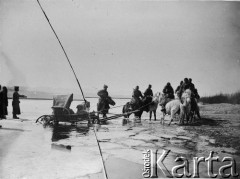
<point>168,93</point>
<point>184,86</point>
<point>136,95</point>
<point>148,96</point>
<point>191,85</point>
<point>148,91</point>
<point>177,91</point>
<point>196,95</point>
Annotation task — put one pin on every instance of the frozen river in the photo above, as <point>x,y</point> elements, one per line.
<point>28,150</point>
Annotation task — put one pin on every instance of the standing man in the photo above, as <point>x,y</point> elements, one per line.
<point>103,105</point>
<point>148,92</point>
<point>5,102</point>
<point>103,93</point>
<point>1,103</point>
<point>15,102</point>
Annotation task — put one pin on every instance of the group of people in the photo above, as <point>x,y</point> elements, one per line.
<point>138,97</point>
<point>185,84</point>
<point>4,102</point>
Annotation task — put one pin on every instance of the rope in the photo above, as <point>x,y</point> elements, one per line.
<point>109,108</point>
<point>62,49</point>
<point>123,105</point>
<point>123,114</point>
<point>117,106</point>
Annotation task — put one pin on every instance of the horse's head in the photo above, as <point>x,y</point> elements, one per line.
<point>186,98</point>
<point>186,94</point>
<point>161,98</point>
<point>110,101</point>
<point>156,97</point>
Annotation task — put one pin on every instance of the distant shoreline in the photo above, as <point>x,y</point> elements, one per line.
<point>73,99</point>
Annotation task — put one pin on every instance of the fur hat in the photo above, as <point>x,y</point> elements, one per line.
<point>105,86</point>
<point>16,88</point>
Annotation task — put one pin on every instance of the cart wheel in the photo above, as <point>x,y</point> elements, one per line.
<point>43,119</point>
<point>40,119</point>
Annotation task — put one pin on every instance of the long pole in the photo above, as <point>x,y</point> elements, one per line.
<point>62,49</point>
<point>104,168</point>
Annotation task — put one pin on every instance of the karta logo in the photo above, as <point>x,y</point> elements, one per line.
<point>152,163</point>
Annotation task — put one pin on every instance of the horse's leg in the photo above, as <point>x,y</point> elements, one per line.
<point>173,113</point>
<point>104,115</point>
<point>187,118</point>
<point>98,116</point>
<point>162,118</point>
<point>181,118</point>
<point>191,117</point>
<point>198,114</point>
<point>140,114</point>
<point>171,116</point>
<point>182,114</point>
<point>154,112</point>
<point>126,111</point>
<point>150,115</point>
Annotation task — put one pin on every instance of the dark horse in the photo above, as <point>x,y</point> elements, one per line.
<point>138,106</point>
<point>103,105</point>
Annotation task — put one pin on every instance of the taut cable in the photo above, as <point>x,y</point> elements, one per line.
<point>62,49</point>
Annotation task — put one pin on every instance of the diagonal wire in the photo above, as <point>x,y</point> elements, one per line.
<point>62,49</point>
<point>77,82</point>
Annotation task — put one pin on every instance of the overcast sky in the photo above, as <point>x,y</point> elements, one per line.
<point>121,44</point>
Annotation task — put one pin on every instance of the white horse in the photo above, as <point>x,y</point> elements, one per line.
<point>173,107</point>
<point>186,107</point>
<point>190,106</point>
<point>153,106</point>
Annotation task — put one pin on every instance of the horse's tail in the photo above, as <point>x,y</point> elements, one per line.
<point>123,108</point>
